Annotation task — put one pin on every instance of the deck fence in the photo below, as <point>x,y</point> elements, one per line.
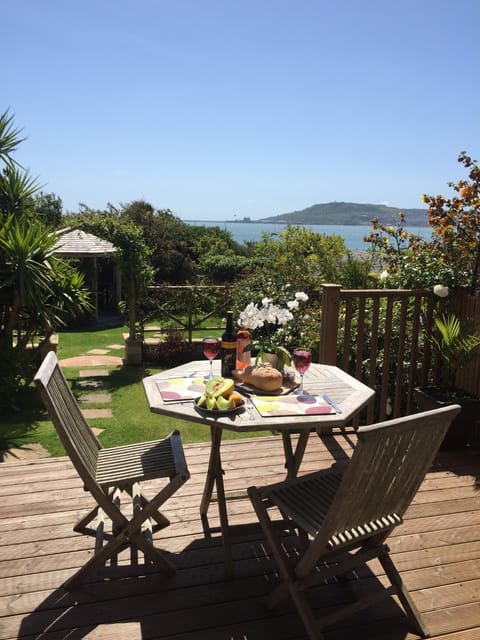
<point>380,336</point>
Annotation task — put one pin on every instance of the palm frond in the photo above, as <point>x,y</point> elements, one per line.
<point>10,138</point>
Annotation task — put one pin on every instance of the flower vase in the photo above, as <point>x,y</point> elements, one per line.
<point>270,358</point>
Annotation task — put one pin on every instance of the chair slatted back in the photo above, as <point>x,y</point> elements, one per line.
<point>77,437</point>
<point>388,465</point>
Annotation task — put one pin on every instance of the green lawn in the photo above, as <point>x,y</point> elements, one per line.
<point>132,420</point>
<point>75,343</point>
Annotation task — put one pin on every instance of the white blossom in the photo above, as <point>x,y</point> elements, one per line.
<point>384,275</point>
<point>440,290</point>
<point>284,316</point>
<point>269,314</point>
<point>300,295</point>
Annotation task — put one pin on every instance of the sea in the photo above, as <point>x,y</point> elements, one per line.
<point>353,235</point>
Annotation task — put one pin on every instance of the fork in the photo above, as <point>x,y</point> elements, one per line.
<point>250,409</point>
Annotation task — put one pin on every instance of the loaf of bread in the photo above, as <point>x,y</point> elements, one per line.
<point>262,376</point>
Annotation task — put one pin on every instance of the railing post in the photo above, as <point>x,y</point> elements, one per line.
<point>327,353</point>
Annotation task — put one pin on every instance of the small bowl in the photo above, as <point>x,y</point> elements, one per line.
<point>217,412</point>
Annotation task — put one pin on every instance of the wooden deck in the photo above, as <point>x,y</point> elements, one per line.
<point>437,550</point>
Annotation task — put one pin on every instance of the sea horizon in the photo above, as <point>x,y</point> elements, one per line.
<point>353,235</point>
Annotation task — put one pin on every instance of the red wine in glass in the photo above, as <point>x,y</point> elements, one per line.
<point>211,347</point>
<point>302,359</point>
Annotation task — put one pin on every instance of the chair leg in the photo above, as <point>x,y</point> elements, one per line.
<point>109,550</point>
<point>310,623</point>
<point>158,516</point>
<point>91,515</point>
<point>85,520</point>
<point>129,532</point>
<point>278,551</point>
<point>287,586</point>
<point>404,596</point>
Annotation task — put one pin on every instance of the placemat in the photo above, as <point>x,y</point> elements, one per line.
<point>291,405</point>
<point>179,389</point>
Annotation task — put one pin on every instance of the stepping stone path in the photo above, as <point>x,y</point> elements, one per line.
<point>93,373</point>
<point>95,379</point>
<point>25,452</point>
<point>91,379</point>
<point>99,398</point>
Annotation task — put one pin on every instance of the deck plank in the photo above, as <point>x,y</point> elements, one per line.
<point>437,549</point>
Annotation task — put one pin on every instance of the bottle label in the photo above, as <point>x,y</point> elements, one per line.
<point>228,362</point>
<point>243,357</point>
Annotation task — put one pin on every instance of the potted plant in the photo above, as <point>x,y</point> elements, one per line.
<point>453,350</point>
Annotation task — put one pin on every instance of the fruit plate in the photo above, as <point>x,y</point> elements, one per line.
<point>217,412</point>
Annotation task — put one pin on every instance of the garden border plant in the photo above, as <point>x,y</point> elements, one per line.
<point>38,290</point>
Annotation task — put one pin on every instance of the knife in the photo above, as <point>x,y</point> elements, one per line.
<point>335,406</point>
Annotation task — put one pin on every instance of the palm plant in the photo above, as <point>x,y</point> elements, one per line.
<point>9,139</point>
<point>17,189</point>
<point>453,348</point>
<point>37,289</point>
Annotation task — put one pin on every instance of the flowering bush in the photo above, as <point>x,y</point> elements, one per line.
<point>456,226</point>
<point>269,325</point>
<point>452,257</point>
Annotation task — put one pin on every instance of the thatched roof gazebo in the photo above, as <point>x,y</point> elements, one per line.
<point>75,243</point>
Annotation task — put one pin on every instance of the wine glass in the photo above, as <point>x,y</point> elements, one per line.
<point>302,359</point>
<point>211,347</point>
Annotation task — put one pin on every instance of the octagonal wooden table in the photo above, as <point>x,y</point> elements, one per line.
<point>347,394</point>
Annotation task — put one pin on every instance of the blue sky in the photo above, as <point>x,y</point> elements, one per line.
<point>221,108</point>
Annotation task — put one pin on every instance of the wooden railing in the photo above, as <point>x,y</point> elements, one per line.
<point>380,336</point>
<point>189,307</point>
<point>468,310</point>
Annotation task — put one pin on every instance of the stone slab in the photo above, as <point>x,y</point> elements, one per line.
<point>91,361</point>
<point>97,352</point>
<point>25,452</point>
<point>92,384</point>
<point>91,414</point>
<point>101,398</point>
<point>93,373</point>
<point>116,346</point>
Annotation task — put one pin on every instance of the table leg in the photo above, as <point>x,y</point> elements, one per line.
<point>293,459</point>
<point>215,479</point>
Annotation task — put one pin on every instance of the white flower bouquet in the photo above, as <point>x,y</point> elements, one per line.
<point>265,323</point>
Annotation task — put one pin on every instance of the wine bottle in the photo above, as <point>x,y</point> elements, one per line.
<point>229,347</point>
<point>243,349</point>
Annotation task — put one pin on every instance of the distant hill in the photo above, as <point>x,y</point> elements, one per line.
<point>350,213</point>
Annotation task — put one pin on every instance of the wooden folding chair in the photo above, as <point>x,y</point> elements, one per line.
<point>109,475</point>
<point>344,514</point>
